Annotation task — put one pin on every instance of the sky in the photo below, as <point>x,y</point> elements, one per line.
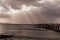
<point>30,11</point>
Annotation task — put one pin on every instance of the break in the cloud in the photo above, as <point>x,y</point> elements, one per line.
<point>30,11</point>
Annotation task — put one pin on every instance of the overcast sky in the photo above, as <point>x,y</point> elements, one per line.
<point>29,11</point>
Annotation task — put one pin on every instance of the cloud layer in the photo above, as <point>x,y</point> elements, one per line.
<point>30,11</point>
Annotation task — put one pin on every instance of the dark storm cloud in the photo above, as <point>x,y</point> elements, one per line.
<point>51,10</point>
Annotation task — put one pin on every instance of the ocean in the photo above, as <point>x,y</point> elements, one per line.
<point>27,32</point>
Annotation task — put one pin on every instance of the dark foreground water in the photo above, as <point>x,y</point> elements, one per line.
<point>28,32</point>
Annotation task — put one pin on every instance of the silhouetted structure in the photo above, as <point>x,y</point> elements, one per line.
<point>55,27</point>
